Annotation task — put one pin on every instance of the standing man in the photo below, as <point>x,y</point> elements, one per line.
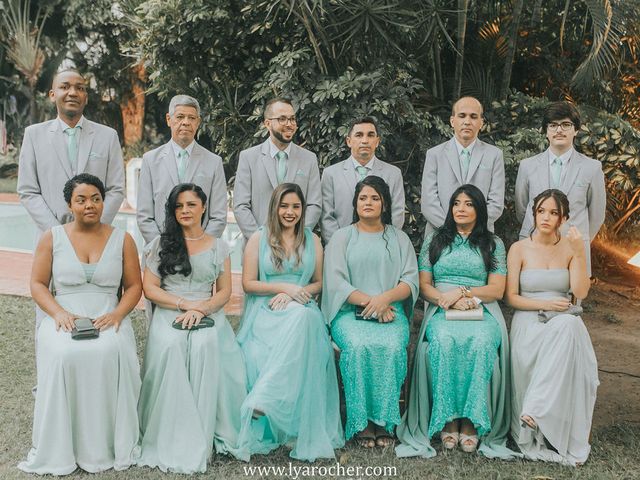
<point>181,160</point>
<point>339,180</point>
<point>461,160</point>
<point>561,167</point>
<point>54,151</point>
<point>277,160</point>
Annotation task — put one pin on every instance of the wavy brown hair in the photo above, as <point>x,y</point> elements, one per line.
<point>274,227</point>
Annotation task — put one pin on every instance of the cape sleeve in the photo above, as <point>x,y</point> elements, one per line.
<point>336,284</point>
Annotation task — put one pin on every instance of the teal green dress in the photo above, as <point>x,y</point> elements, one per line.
<point>194,381</point>
<point>373,358</point>
<point>291,370</point>
<point>461,367</point>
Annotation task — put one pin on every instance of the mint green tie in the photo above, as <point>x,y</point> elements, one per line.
<point>282,165</point>
<point>72,147</point>
<point>556,170</point>
<point>465,160</point>
<point>362,171</point>
<point>182,164</point>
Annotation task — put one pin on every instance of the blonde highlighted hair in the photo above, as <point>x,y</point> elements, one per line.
<point>274,227</point>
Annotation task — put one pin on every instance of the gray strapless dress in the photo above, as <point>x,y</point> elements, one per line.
<point>554,375</point>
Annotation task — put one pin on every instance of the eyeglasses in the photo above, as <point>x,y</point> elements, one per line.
<point>564,126</point>
<point>284,120</point>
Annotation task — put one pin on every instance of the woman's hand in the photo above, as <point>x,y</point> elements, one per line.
<point>108,320</point>
<point>190,318</point>
<point>389,315</point>
<point>299,294</point>
<point>65,320</point>
<point>447,299</point>
<point>557,304</point>
<point>201,306</point>
<point>464,304</point>
<point>280,301</point>
<point>576,242</point>
<point>376,306</point>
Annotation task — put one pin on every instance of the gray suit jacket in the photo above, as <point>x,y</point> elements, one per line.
<point>159,174</point>
<point>338,186</point>
<point>442,176</point>
<point>256,180</point>
<point>583,183</point>
<point>44,169</point>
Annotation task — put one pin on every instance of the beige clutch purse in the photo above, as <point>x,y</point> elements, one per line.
<point>471,314</point>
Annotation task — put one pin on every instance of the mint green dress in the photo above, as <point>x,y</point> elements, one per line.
<point>291,369</point>
<point>194,381</point>
<point>373,358</point>
<point>85,413</point>
<point>461,367</point>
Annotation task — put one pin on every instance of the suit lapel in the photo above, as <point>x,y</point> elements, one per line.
<point>349,175</point>
<point>267,162</point>
<point>57,140</point>
<point>571,173</point>
<point>169,161</point>
<point>293,162</point>
<point>84,146</point>
<point>194,163</point>
<point>476,158</point>
<point>451,153</point>
<point>543,171</point>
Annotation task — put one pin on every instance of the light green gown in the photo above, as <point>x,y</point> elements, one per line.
<point>373,358</point>
<point>194,381</point>
<point>85,414</point>
<point>290,368</point>
<point>460,367</point>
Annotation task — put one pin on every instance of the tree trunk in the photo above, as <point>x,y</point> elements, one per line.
<point>132,107</point>
<point>463,7</point>
<point>512,40</point>
<point>438,70</point>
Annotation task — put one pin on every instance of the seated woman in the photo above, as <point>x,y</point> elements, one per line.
<point>370,287</point>
<point>293,397</point>
<point>459,386</point>
<point>553,365</point>
<point>194,377</point>
<point>85,413</point>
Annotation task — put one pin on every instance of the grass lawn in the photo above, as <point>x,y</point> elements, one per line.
<point>615,454</point>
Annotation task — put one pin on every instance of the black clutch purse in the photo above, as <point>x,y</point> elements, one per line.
<point>358,312</point>
<point>84,329</point>
<point>206,322</point>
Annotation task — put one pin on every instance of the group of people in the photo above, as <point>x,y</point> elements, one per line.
<point>275,382</point>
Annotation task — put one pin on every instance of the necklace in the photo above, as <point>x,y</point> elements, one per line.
<point>195,238</point>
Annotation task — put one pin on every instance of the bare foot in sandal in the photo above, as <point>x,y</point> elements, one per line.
<point>366,438</point>
<point>383,438</point>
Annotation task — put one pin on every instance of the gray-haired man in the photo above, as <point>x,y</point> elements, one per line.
<point>181,160</point>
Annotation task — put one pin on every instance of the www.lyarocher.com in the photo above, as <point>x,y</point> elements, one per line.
<point>299,471</point>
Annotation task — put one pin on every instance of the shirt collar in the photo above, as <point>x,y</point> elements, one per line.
<point>469,148</point>
<point>64,126</point>
<point>564,158</point>
<point>177,148</point>
<point>273,149</point>
<point>369,165</point>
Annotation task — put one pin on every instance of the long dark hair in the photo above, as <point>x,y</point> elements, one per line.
<point>174,257</point>
<point>481,239</point>
<point>382,189</point>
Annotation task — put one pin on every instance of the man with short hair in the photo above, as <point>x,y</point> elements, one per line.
<point>464,159</point>
<point>339,180</point>
<point>277,160</point>
<point>54,151</point>
<point>181,160</point>
<point>563,168</point>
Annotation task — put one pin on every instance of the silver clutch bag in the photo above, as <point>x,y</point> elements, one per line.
<point>471,314</point>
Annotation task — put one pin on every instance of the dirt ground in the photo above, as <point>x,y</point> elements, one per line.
<point>612,315</point>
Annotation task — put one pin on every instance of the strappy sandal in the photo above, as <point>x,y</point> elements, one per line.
<point>468,443</point>
<point>384,440</point>
<point>449,440</point>
<point>366,440</point>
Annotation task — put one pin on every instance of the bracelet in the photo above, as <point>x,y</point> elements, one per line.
<point>466,291</point>
<point>178,302</point>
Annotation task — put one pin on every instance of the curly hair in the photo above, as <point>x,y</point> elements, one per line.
<point>82,179</point>
<point>174,257</point>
